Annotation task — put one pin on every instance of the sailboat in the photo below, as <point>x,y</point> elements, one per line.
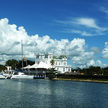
<point>20,74</point>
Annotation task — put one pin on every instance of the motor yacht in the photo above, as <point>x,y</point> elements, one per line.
<point>20,75</point>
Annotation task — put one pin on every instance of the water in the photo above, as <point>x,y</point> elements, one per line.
<point>52,94</point>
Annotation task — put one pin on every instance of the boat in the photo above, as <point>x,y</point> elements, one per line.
<point>21,75</point>
<point>2,76</point>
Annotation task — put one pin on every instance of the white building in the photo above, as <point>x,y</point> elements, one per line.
<point>60,64</point>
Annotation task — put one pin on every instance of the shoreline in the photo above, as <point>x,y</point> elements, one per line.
<point>82,80</point>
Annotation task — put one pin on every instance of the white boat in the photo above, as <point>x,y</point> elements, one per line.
<point>21,75</point>
<point>2,76</point>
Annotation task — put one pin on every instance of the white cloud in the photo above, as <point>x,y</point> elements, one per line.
<point>88,22</point>
<point>91,63</point>
<point>95,49</point>
<point>83,59</point>
<point>83,33</point>
<point>83,21</point>
<point>83,26</point>
<point>10,43</point>
<point>105,50</point>
<point>98,62</point>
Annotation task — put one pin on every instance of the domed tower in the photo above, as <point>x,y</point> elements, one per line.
<point>50,56</point>
<point>40,57</point>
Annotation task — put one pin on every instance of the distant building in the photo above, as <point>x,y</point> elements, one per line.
<point>60,64</point>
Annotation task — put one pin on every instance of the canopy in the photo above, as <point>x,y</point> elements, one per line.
<point>27,67</point>
<point>33,66</point>
<point>44,65</point>
<point>40,65</point>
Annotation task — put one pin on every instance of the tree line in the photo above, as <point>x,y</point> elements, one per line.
<point>92,70</point>
<point>16,64</point>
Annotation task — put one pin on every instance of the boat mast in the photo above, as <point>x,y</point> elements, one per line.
<point>22,52</point>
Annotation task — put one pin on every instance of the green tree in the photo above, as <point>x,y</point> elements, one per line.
<point>2,68</point>
<point>96,70</point>
<point>62,56</point>
<point>25,63</point>
<point>52,62</point>
<point>55,57</point>
<point>51,73</point>
<point>92,70</point>
<point>13,63</point>
<point>105,71</point>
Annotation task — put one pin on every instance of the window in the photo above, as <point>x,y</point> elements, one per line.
<point>63,69</point>
<point>56,63</point>
<point>69,69</point>
<point>64,63</point>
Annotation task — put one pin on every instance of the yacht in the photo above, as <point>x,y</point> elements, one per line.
<point>20,75</point>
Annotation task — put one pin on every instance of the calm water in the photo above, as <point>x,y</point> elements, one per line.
<point>52,94</point>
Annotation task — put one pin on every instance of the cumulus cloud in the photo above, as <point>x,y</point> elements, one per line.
<point>95,49</point>
<point>98,62</point>
<point>10,45</point>
<point>105,50</point>
<point>91,63</point>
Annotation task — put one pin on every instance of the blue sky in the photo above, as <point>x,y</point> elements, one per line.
<point>40,16</point>
<point>62,19</point>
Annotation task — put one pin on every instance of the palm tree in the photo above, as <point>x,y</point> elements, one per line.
<point>51,73</point>
<point>52,62</point>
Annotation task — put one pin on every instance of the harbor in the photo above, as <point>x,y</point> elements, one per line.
<point>20,75</point>
<point>53,54</point>
<point>52,94</point>
<point>44,65</point>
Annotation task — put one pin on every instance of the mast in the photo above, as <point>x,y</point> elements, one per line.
<point>22,52</point>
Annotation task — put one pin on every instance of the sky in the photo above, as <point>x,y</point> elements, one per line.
<point>76,28</point>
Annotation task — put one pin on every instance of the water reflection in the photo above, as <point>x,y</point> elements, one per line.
<point>52,94</point>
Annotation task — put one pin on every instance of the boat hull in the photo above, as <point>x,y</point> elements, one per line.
<point>2,77</point>
<point>21,77</point>
<point>36,77</point>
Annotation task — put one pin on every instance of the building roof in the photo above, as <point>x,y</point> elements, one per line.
<point>44,65</point>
